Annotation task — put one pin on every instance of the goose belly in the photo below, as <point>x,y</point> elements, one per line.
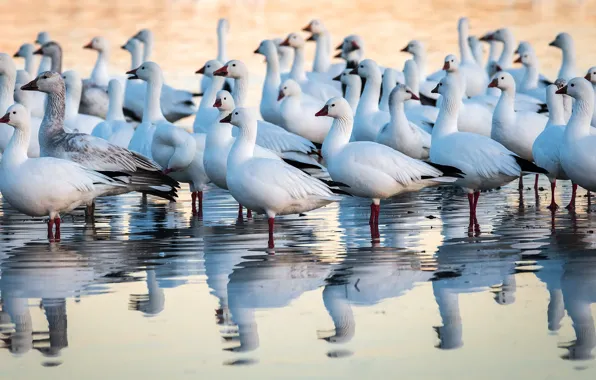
<point>365,182</point>
<point>579,162</point>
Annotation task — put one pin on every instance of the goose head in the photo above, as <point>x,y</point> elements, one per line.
<point>493,68</point>
<point>42,38</point>
<point>242,118</point>
<point>224,101</point>
<point>49,49</point>
<point>591,75</point>
<point>523,47</point>
<point>26,50</point>
<point>487,37</point>
<point>336,108</point>
<point>293,40</point>
<point>563,41</point>
<point>223,26</point>
<point>527,58</point>
<point>143,35</point>
<point>503,81</point>
<point>347,78</point>
<point>448,86</point>
<point>315,26</point>
<point>578,88</point>
<point>232,69</point>
<point>146,72</point>
<point>72,80</point>
<point>451,63</point>
<point>401,93</point>
<point>17,116</point>
<point>48,82</point>
<point>7,66</point>
<point>352,43</point>
<point>502,35</point>
<point>414,47</point>
<point>266,48</point>
<point>99,44</point>
<point>367,69</point>
<point>289,88</point>
<point>133,45</point>
<point>209,68</point>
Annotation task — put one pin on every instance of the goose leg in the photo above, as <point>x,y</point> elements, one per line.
<point>193,197</point>
<point>248,213</point>
<point>51,230</point>
<point>521,182</point>
<point>571,205</point>
<point>240,215</point>
<point>472,210</point>
<point>536,183</point>
<point>371,221</point>
<point>553,205</point>
<point>200,197</point>
<point>377,213</point>
<point>57,222</point>
<point>476,196</point>
<point>271,242</point>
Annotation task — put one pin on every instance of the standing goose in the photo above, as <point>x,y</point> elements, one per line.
<point>135,171</point>
<point>505,36</point>
<point>486,163</point>
<point>568,69</point>
<point>577,151</point>
<point>115,129</point>
<point>100,75</point>
<point>351,88</point>
<point>223,27</point>
<point>269,186</point>
<point>269,106</point>
<point>24,98</point>
<point>517,131</point>
<point>26,52</point>
<point>368,169</point>
<point>322,38</point>
<point>206,114</point>
<point>400,134</point>
<point>46,186</point>
<point>37,100</point>
<point>298,116</point>
<point>390,79</point>
<point>75,121</point>
<point>475,77</point>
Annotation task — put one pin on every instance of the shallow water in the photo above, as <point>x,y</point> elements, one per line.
<point>151,291</point>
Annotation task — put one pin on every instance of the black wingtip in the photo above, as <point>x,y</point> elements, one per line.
<point>197,94</point>
<point>227,87</point>
<point>528,166</point>
<point>332,183</point>
<point>340,192</point>
<point>301,165</point>
<point>543,108</point>
<point>130,115</point>
<point>448,171</point>
<point>427,101</point>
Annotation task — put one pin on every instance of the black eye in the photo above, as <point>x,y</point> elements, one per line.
<point>285,88</point>
<point>502,78</point>
<point>143,68</point>
<point>208,66</point>
<point>233,65</point>
<point>440,84</point>
<point>225,98</point>
<point>333,105</point>
<point>14,112</point>
<point>236,113</point>
<point>572,85</point>
<point>361,66</point>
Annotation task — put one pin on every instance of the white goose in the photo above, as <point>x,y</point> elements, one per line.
<point>591,76</point>
<point>223,27</point>
<point>45,63</point>
<point>368,169</point>
<point>352,50</point>
<point>427,83</point>
<point>475,76</point>
<point>568,69</point>
<point>400,134</point>
<point>220,138</point>
<point>529,85</point>
<point>206,114</point>
<point>269,106</point>
<point>389,81</point>
<point>546,147</point>
<point>26,52</point>
<point>46,186</point>
<point>477,50</point>
<point>269,186</point>
<point>8,76</point>
<point>136,172</point>
<point>37,100</point>
<point>505,36</point>
<point>270,136</point>
<point>493,53</point>
<point>369,119</point>
<point>351,87</point>
<point>486,164</point>
<point>577,151</point>
<point>315,84</point>
<point>298,116</point>
<point>418,113</point>
<point>524,47</point>
<point>115,129</point>
<point>285,54</point>
<point>100,75</point>
<point>322,38</point>
<point>25,99</point>
<point>75,121</point>
<point>517,131</point>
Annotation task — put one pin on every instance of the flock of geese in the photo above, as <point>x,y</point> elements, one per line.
<point>352,128</point>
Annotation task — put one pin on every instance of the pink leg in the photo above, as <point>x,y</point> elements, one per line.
<point>200,196</point>
<point>271,242</point>
<point>521,182</point>
<point>553,205</point>
<point>377,213</point>
<point>51,230</point>
<point>471,204</point>
<point>193,197</point>
<point>248,213</point>
<point>476,196</point>
<point>57,222</point>
<point>571,205</point>
<point>240,215</point>
<point>536,183</point>
<point>371,221</point>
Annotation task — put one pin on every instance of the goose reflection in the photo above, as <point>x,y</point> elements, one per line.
<point>47,272</point>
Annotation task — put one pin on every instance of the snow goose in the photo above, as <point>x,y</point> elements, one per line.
<point>369,169</point>
<point>45,63</point>
<point>524,47</point>
<point>418,113</point>
<point>478,115</point>
<point>475,77</point>
<point>46,186</point>
<point>220,138</point>
<point>25,99</point>
<point>388,82</point>
<point>505,36</point>
<point>517,131</point>
<point>26,52</point>
<point>486,163</point>
<point>299,117</point>
<point>178,152</point>
<point>75,121</point>
<point>477,50</point>
<point>529,85</point>
<point>322,62</point>
<point>206,115</point>
<point>351,87</point>
<point>100,75</point>
<point>418,52</point>
<point>352,50</point>
<point>564,41</point>
<point>591,76</point>
<point>269,106</point>
<point>314,84</point>
<point>285,54</point>
<point>369,120</point>
<point>8,76</point>
<point>546,147</point>
<point>577,150</point>
<point>136,172</point>
<point>115,129</point>
<point>400,134</point>
<point>269,186</point>
<point>223,27</point>
<point>493,53</point>
<point>270,136</point>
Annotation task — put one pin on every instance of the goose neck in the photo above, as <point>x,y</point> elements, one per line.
<point>297,73</point>
<point>148,50</point>
<point>338,136</point>
<point>493,51</point>
<point>7,84</point>
<point>581,117</point>
<point>56,58</point>
<point>53,120</point>
<point>321,62</point>
<point>556,113</point>
<point>100,75</point>
<point>240,91</point>
<point>568,57</point>
<point>210,95</point>
<point>420,59</point>
<point>398,113</point>
<point>369,101</point>
<point>244,146</point>
<point>464,47</point>
<point>29,64</point>
<point>73,99</point>
<point>272,77</point>
<point>152,111</point>
<point>507,53</point>
<point>447,119</point>
<point>16,151</point>
<point>115,104</point>
<point>222,54</point>
<point>353,94</point>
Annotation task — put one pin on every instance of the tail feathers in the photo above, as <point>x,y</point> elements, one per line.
<point>448,171</point>
<point>528,166</point>
<point>543,108</point>
<point>149,182</point>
